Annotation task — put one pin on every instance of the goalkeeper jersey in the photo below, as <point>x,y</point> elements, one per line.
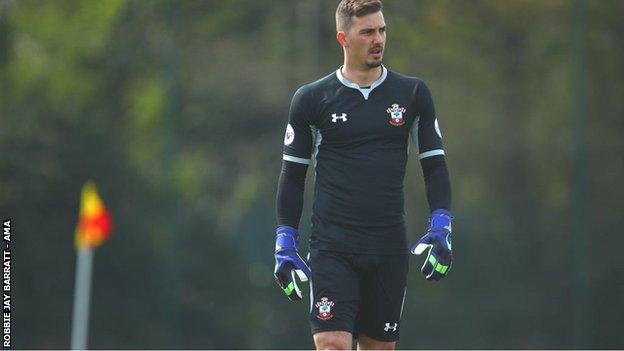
<point>357,139</point>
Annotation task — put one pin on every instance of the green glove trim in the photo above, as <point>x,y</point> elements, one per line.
<point>289,289</point>
<point>441,268</point>
<point>438,266</point>
<point>448,242</point>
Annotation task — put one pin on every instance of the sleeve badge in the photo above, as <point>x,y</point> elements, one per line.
<point>289,136</point>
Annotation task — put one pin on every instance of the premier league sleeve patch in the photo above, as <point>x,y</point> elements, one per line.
<point>324,309</point>
<point>289,136</point>
<point>437,128</point>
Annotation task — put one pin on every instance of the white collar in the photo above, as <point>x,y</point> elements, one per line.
<point>365,91</point>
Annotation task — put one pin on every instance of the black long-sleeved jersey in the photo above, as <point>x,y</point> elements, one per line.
<point>358,140</point>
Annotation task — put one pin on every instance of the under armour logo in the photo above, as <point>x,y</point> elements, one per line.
<point>342,117</point>
<point>393,328</point>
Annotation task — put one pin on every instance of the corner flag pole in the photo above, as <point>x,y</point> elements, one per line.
<point>82,293</point>
<point>94,226</point>
<point>580,185</point>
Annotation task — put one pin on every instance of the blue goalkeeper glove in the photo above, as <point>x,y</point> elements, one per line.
<point>288,263</point>
<point>438,243</point>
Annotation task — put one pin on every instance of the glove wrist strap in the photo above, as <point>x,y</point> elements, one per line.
<point>285,238</point>
<point>440,219</point>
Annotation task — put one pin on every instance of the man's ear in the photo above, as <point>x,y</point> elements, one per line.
<point>341,37</point>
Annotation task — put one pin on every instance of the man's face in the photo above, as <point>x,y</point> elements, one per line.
<point>366,39</point>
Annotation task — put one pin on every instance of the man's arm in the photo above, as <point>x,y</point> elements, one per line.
<point>437,182</point>
<point>289,198</point>
<point>427,139</point>
<point>296,158</point>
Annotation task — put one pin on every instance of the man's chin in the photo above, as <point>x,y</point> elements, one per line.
<point>373,63</point>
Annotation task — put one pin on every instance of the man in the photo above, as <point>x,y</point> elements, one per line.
<point>355,125</point>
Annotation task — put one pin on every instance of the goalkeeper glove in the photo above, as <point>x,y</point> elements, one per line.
<point>288,263</point>
<point>438,243</point>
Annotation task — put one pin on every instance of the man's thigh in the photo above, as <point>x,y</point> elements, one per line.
<point>366,343</point>
<point>383,289</point>
<point>334,292</point>
<point>333,340</point>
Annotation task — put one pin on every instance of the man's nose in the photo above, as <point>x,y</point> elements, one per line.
<point>378,38</point>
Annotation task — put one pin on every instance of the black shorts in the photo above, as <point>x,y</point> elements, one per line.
<point>357,293</point>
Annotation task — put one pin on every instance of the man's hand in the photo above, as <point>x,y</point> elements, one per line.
<point>438,243</point>
<point>288,263</point>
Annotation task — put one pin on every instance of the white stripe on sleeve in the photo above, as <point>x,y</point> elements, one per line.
<point>305,161</point>
<point>431,153</point>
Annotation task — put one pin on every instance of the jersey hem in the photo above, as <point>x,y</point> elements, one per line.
<point>359,250</point>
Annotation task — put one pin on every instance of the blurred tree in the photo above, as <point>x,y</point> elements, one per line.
<point>177,110</point>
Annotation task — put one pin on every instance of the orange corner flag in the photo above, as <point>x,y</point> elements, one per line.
<point>94,224</point>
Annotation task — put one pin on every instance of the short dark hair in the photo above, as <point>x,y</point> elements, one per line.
<point>358,8</point>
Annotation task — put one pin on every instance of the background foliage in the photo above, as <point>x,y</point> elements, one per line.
<point>177,110</point>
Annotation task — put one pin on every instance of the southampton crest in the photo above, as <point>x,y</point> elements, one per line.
<point>396,115</point>
<point>324,306</point>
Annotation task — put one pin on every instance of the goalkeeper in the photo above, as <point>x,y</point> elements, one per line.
<point>354,126</point>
